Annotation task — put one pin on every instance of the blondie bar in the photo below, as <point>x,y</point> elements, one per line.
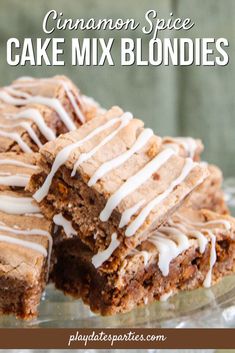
<point>193,249</point>
<point>25,239</point>
<point>115,181</point>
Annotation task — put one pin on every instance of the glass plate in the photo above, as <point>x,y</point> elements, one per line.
<point>214,307</point>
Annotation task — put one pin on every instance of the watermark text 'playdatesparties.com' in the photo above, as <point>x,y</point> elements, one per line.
<point>175,47</point>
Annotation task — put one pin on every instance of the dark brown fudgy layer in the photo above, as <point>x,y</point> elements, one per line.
<point>75,275</point>
<point>20,298</point>
<point>82,205</point>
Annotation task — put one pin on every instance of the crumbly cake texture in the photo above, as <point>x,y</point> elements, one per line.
<point>115,181</point>
<point>34,111</point>
<point>194,249</point>
<point>209,195</point>
<point>185,146</point>
<point>25,247</point>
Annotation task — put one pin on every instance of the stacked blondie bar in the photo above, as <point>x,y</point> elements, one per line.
<point>32,112</point>
<point>109,211</point>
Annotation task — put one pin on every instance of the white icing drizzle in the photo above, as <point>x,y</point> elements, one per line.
<point>204,163</point>
<point>201,238</point>
<point>174,146</point>
<point>50,102</point>
<point>24,78</point>
<point>60,220</point>
<point>91,102</point>
<point>127,214</point>
<point>68,91</point>
<point>223,222</point>
<point>146,299</point>
<point>24,243</point>
<point>38,215</point>
<point>28,128</point>
<point>190,225</point>
<point>146,256</point>
<point>208,278</point>
<point>37,118</point>
<point>188,143</point>
<point>144,253</point>
<point>14,180</point>
<point>10,90</point>
<point>134,182</point>
<point>73,102</point>
<point>33,231</point>
<point>124,121</point>
<point>16,137</point>
<point>226,223</point>
<point>64,154</point>
<point>17,163</point>
<point>174,239</point>
<point>164,297</point>
<point>18,205</point>
<point>15,230</point>
<point>106,167</point>
<point>170,245</point>
<point>139,220</point>
<point>102,256</point>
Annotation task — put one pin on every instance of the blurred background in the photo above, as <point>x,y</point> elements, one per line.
<point>184,101</point>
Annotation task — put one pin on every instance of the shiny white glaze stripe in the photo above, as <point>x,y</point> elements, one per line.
<point>164,297</point>
<point>102,256</point>
<point>139,220</point>
<point>208,278</point>
<point>16,137</point>
<point>14,180</point>
<point>24,243</point>
<point>106,167</point>
<point>18,205</point>
<point>23,78</point>
<point>144,253</point>
<point>33,231</point>
<point>223,222</point>
<point>37,118</point>
<point>73,102</point>
<point>146,256</point>
<point>124,121</point>
<point>64,154</point>
<point>28,128</point>
<point>11,91</point>
<point>134,182</point>
<point>188,143</point>
<point>60,220</point>
<point>39,215</point>
<point>185,228</point>
<point>17,163</point>
<point>127,214</point>
<point>50,102</point>
<point>35,82</point>
<point>170,245</point>
<point>167,252</point>
<point>174,146</point>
